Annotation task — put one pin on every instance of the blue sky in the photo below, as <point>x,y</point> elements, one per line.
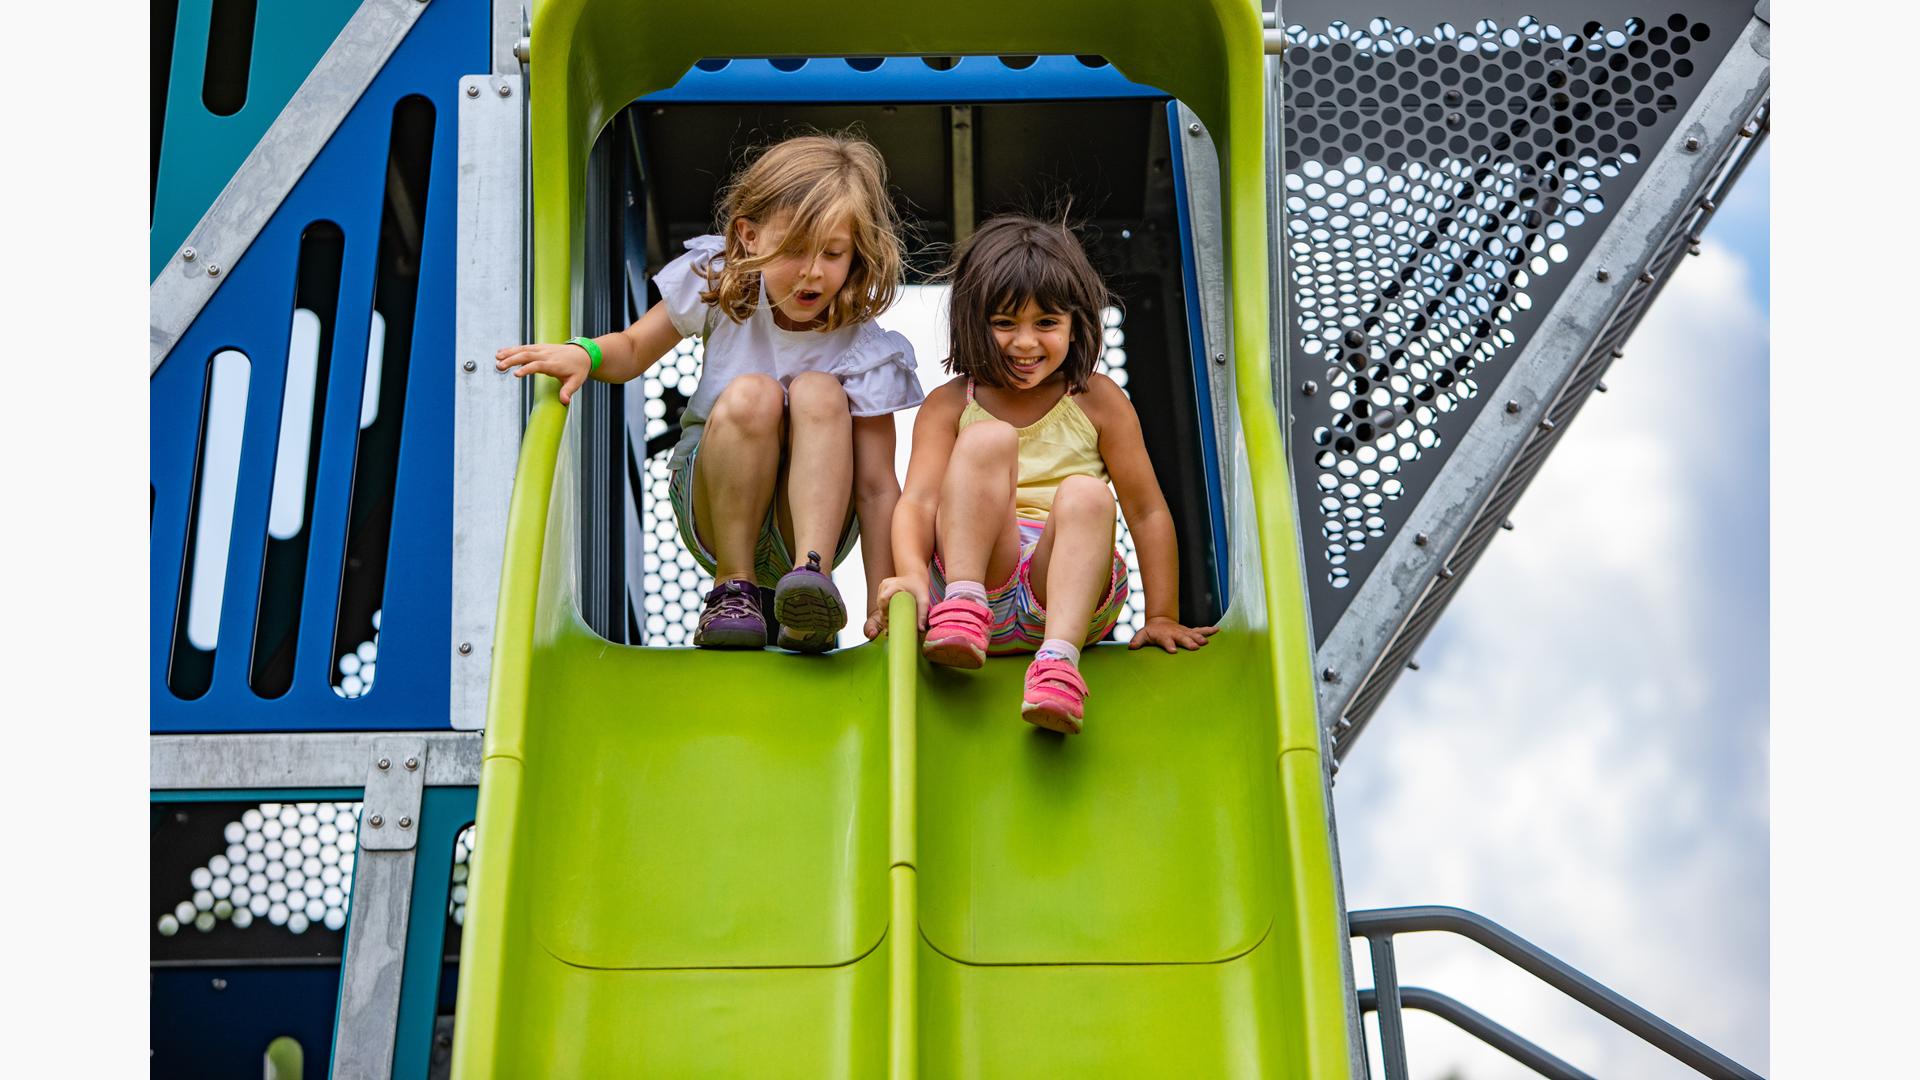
<point>1583,756</point>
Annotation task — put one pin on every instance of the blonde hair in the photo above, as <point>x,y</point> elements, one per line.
<point>821,181</point>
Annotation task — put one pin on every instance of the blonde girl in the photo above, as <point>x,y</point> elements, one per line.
<point>1005,531</point>
<point>786,449</point>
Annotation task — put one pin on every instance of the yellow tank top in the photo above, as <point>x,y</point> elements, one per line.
<point>1060,444</point>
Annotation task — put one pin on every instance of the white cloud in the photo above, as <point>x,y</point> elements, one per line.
<point>1582,757</point>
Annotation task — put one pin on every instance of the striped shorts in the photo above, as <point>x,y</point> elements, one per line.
<point>771,559</point>
<point>1019,621</point>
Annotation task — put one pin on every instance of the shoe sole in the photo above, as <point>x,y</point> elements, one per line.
<point>794,643</point>
<point>731,639</point>
<point>954,652</point>
<point>1049,717</point>
<point>810,614</point>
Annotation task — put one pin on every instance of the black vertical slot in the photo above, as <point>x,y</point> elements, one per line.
<point>284,566</point>
<point>603,438</point>
<point>189,667</point>
<point>229,56</point>
<point>377,453</point>
<point>166,19</point>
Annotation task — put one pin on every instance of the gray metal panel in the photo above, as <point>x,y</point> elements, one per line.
<point>1200,163</point>
<point>488,302</point>
<point>375,960</point>
<point>275,164</point>
<point>1561,363</point>
<point>509,26</point>
<point>214,762</point>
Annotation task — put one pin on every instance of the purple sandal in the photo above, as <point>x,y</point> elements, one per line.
<point>732,618</point>
<point>808,608</point>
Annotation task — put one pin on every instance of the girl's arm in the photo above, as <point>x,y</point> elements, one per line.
<point>624,355</point>
<point>1145,508</point>
<point>875,492</point>
<point>913,518</point>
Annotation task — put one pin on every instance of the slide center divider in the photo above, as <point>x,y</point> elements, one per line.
<point>903,1004</point>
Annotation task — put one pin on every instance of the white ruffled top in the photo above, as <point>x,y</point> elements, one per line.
<point>875,366</point>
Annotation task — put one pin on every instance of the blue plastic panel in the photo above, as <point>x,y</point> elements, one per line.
<point>898,80</point>
<point>253,312</point>
<point>200,151</point>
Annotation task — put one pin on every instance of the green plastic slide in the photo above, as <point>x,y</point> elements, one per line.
<point>764,865</point>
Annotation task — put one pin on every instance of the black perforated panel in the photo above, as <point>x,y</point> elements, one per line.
<point>1442,180</point>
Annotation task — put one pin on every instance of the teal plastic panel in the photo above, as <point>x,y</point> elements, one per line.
<point>199,151</point>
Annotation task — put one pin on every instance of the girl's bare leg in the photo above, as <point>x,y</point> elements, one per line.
<point>734,474</point>
<point>978,538</point>
<point>818,480</point>
<point>1073,561</point>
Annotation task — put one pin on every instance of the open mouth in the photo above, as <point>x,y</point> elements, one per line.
<point>807,297</point>
<point>1024,367</point>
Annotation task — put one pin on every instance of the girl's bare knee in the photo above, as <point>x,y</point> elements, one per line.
<point>988,441</point>
<point>1083,498</point>
<point>750,403</point>
<point>817,395</point>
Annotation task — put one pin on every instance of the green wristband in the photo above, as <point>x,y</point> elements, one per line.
<point>592,347</point>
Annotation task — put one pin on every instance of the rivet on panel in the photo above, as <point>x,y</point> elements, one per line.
<point>376,821</point>
<point>1193,128</point>
<point>1512,407</point>
<point>466,647</point>
<point>470,365</point>
<point>1602,275</point>
<point>1419,539</point>
<point>505,90</point>
<point>1693,144</point>
<point>1330,675</point>
<point>213,269</point>
<point>1309,388</point>
<point>473,91</point>
<point>1546,425</point>
<point>189,254</point>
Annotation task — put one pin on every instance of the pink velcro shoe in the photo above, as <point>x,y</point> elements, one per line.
<point>957,633</point>
<point>1055,696</point>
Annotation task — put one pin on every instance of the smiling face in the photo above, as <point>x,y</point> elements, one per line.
<point>1033,342</point>
<point>799,283</point>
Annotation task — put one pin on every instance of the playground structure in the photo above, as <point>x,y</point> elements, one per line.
<point>854,873</point>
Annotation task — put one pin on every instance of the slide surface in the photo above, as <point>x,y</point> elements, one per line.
<point>708,864</point>
<point>704,863</point>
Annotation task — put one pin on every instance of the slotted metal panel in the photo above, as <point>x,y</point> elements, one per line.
<point>1478,204</point>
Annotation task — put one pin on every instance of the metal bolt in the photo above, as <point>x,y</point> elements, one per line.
<point>1693,144</point>
<point>505,90</point>
<point>406,823</point>
<point>189,254</point>
<point>1746,133</point>
<point>1446,573</point>
<point>1513,407</point>
<point>219,984</point>
<point>1693,247</point>
<point>376,821</point>
<point>1546,425</point>
<point>1193,128</point>
<point>1618,352</point>
<point>213,269</point>
<point>1646,277</point>
<point>385,764</point>
<point>470,365</point>
<point>1219,358</point>
<point>466,647</point>
<point>412,763</point>
<point>1309,388</point>
<point>522,49</point>
<point>1507,524</point>
<point>1413,665</point>
<point>1600,386</point>
<point>1419,539</point>
<point>1602,275</point>
<point>1344,724</point>
<point>1330,675</point>
<point>473,91</point>
<point>1706,204</point>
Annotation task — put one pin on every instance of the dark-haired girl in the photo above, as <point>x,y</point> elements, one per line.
<point>1004,534</point>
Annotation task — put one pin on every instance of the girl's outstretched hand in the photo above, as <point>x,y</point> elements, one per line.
<point>915,587</point>
<point>569,363</point>
<point>1170,635</point>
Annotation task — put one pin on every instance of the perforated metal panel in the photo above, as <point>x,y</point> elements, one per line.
<point>1442,180</point>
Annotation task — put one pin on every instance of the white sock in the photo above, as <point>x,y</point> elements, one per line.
<point>967,590</point>
<point>1059,649</point>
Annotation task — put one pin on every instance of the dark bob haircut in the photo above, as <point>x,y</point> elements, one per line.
<point>1009,260</point>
